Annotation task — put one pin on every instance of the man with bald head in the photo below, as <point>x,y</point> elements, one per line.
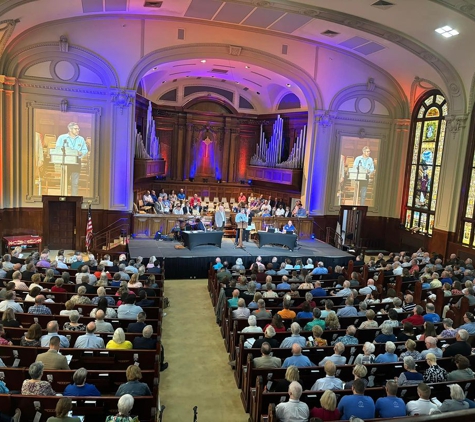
<point>52,328</point>
<point>370,288</point>
<point>346,291</point>
<point>89,340</point>
<point>101,325</point>
<point>297,359</point>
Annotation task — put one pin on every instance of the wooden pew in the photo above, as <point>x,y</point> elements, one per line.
<point>94,408</point>
<point>107,382</point>
<point>99,359</point>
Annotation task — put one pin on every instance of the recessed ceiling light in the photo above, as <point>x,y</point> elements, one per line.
<point>155,68</point>
<point>212,76</point>
<point>237,82</point>
<point>447,31</point>
<point>203,61</point>
<point>187,76</point>
<point>248,67</point>
<point>289,85</point>
<point>163,82</point>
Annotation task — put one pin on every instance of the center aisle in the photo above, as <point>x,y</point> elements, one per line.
<point>198,372</point>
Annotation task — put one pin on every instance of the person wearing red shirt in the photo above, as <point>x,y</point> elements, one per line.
<point>58,286</point>
<point>417,318</point>
<point>195,202</point>
<point>242,198</point>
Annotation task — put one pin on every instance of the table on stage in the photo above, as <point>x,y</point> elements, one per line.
<point>32,242</point>
<point>197,238</point>
<point>284,239</point>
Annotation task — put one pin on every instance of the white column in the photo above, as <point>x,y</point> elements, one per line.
<point>121,150</point>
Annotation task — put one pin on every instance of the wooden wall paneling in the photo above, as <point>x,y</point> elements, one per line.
<point>439,241</point>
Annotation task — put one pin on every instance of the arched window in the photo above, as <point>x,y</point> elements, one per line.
<point>428,135</point>
<point>468,213</point>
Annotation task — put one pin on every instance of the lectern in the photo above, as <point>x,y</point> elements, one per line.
<point>64,156</point>
<point>357,175</point>
<point>241,225</point>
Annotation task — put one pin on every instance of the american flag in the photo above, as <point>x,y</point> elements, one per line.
<point>89,229</point>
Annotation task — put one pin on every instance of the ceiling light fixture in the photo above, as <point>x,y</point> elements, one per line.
<point>248,67</point>
<point>288,85</point>
<point>447,31</point>
<point>203,61</point>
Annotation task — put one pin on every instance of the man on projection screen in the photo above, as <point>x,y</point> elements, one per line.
<point>364,164</point>
<point>73,141</point>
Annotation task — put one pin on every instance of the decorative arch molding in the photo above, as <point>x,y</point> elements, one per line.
<point>397,107</point>
<point>299,76</point>
<point>472,95</point>
<point>215,98</point>
<point>443,67</point>
<point>19,62</point>
<point>420,86</point>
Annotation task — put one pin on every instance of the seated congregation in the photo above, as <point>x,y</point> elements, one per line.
<point>80,335</point>
<point>390,338</point>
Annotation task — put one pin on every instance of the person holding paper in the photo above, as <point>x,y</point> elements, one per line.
<point>364,164</point>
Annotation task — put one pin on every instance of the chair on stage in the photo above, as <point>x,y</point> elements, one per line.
<point>145,208</point>
<point>216,200</point>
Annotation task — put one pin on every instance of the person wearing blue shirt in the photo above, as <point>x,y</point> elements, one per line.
<point>73,141</point>
<point>297,359</point>
<point>390,406</point>
<point>301,212</point>
<point>284,285</point>
<point>289,227</point>
<point>319,269</point>
<point>357,405</point>
<point>469,325</point>
<point>80,387</point>
<point>365,165</point>
<point>389,356</point>
<point>241,217</point>
<point>318,290</point>
<point>430,315</point>
<point>181,195</point>
<point>349,310</point>
<point>218,264</point>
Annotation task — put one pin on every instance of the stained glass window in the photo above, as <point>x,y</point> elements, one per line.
<point>467,228</point>
<point>425,158</point>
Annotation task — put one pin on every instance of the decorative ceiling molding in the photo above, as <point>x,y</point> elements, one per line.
<point>465,7</point>
<point>8,5</point>
<point>6,30</point>
<point>456,93</point>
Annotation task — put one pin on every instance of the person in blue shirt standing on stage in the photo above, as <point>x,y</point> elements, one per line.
<point>241,217</point>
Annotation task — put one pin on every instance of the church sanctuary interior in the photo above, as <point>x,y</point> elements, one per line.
<point>356,115</point>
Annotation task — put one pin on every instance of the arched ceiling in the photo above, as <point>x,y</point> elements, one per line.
<point>388,33</point>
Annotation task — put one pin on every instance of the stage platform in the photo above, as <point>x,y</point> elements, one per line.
<point>183,263</point>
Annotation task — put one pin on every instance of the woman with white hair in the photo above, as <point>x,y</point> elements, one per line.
<point>434,373</point>
<point>410,376</point>
<point>389,356</point>
<point>252,328</point>
<point>118,341</point>
<point>124,406</point>
<point>238,266</point>
<point>151,261</point>
<point>309,265</point>
<point>367,356</point>
<point>456,401</point>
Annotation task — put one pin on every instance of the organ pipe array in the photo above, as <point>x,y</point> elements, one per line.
<point>152,143</point>
<point>270,154</point>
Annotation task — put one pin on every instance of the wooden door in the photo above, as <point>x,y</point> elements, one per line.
<point>62,224</point>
